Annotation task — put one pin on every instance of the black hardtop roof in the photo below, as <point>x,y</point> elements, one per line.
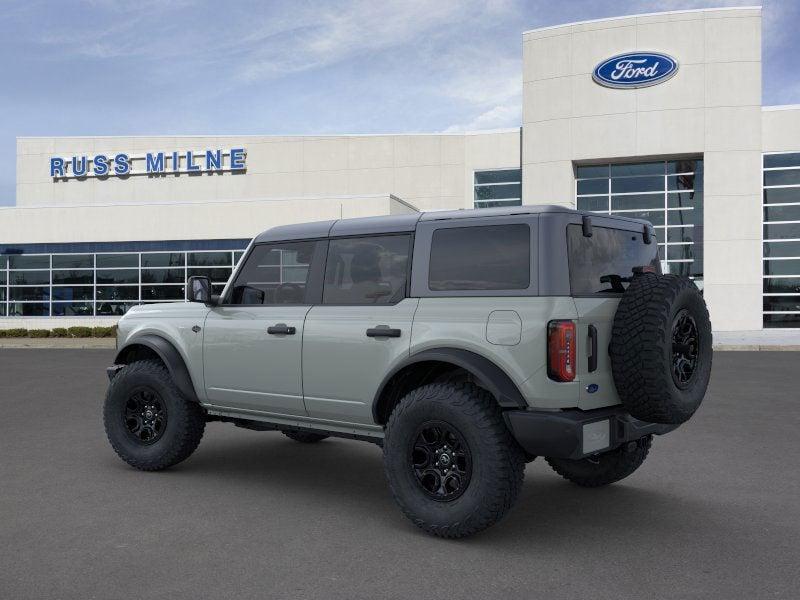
<point>403,223</point>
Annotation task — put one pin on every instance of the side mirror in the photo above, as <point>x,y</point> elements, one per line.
<point>198,289</point>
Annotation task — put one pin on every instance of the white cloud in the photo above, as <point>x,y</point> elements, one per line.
<point>324,37</point>
<point>497,117</point>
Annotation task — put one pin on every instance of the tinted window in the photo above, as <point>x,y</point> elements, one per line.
<point>73,261</point>
<point>275,274</point>
<point>29,262</point>
<point>493,257</point>
<point>163,259</point>
<point>608,252</point>
<point>368,270</point>
<point>117,260</point>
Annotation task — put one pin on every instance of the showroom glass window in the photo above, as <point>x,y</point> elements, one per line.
<point>500,187</point>
<point>367,270</point>
<point>781,225</point>
<point>669,194</point>
<point>103,284</point>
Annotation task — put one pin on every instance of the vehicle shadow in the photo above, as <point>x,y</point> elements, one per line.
<point>348,476</point>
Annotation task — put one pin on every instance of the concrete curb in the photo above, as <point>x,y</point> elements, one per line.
<point>55,343</point>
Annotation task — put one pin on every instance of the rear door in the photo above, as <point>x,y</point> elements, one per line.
<point>598,267</point>
<point>361,328</point>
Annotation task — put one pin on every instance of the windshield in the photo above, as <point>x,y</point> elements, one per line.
<point>603,263</point>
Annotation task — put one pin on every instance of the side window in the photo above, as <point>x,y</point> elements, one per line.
<point>368,270</point>
<point>490,257</point>
<point>275,274</point>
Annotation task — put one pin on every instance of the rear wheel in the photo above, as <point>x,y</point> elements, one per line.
<point>305,437</point>
<point>148,422</point>
<point>606,468</point>
<point>453,468</point>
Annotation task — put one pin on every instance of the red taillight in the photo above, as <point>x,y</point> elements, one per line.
<point>561,350</point>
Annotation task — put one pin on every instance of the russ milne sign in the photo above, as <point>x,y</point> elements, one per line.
<point>635,70</point>
<point>151,163</point>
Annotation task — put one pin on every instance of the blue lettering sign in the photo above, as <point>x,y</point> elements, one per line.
<point>155,163</point>
<point>79,168</point>
<point>237,159</point>
<point>121,164</point>
<point>213,160</point>
<point>635,70</point>
<point>100,165</point>
<point>56,167</point>
<point>190,166</point>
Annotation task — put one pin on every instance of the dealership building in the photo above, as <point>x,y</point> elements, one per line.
<point>653,116</point>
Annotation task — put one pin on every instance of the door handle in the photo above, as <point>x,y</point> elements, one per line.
<point>593,346</point>
<point>281,329</point>
<point>383,331</point>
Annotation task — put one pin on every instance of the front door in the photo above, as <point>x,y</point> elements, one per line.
<point>361,328</point>
<point>252,347</point>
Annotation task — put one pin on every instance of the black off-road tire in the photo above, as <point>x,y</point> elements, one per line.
<point>643,351</point>
<point>603,469</point>
<point>184,421</point>
<point>497,461</point>
<point>305,437</point>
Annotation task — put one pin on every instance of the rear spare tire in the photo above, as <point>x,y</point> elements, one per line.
<point>661,348</point>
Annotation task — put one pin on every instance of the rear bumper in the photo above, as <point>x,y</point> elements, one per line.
<point>576,434</point>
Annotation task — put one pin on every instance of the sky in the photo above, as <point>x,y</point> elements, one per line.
<point>161,67</point>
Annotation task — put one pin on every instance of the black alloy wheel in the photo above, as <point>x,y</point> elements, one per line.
<point>441,461</point>
<point>685,348</point>
<point>451,463</point>
<point>145,416</point>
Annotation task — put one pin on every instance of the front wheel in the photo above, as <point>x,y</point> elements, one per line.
<point>606,468</point>
<point>452,466</point>
<point>148,422</point>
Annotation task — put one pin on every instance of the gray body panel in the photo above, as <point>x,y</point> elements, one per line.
<point>247,368</point>
<point>172,322</point>
<point>326,376</point>
<point>463,322</point>
<point>342,367</point>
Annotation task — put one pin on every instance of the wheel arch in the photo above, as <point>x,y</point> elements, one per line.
<point>426,366</point>
<point>150,346</point>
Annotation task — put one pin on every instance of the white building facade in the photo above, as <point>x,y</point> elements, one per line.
<point>104,223</point>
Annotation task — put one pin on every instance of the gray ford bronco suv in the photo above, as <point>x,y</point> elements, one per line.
<point>464,343</point>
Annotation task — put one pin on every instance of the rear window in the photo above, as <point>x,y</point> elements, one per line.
<point>598,264</point>
<point>491,257</point>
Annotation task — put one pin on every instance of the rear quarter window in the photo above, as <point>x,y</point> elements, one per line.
<point>490,257</point>
<point>595,261</point>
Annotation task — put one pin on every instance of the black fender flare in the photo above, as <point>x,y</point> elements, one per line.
<point>169,355</point>
<point>495,379</point>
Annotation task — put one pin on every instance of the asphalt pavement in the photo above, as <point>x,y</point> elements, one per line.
<point>713,513</point>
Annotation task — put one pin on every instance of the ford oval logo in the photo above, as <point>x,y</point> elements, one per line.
<point>635,70</point>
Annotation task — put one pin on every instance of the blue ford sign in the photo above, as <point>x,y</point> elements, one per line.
<point>635,70</point>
